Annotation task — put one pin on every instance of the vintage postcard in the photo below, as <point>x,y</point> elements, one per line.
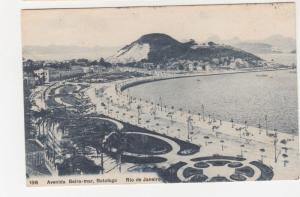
<point>171,94</point>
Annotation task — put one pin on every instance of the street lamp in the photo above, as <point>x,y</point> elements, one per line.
<point>160,101</point>
<point>202,106</point>
<point>275,145</point>
<point>266,119</point>
<point>189,126</point>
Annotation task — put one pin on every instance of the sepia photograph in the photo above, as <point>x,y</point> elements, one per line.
<point>166,94</point>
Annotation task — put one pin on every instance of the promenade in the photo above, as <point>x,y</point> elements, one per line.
<point>214,136</point>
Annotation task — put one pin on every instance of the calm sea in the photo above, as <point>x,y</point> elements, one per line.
<point>281,58</point>
<point>244,97</point>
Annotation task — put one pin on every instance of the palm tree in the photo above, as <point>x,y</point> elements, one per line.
<point>259,126</point>
<point>242,146</point>
<point>206,138</point>
<point>160,103</point>
<point>213,118</point>
<point>266,119</point>
<point>170,114</point>
<point>167,128</point>
<point>108,100</point>
<point>179,133</point>
<point>222,142</point>
<point>43,115</point>
<point>232,125</point>
<point>139,113</point>
<point>180,109</point>
<point>203,115</point>
<point>262,150</point>
<point>39,122</point>
<point>293,134</point>
<point>153,112</point>
<point>189,126</point>
<point>285,160</point>
<point>275,146</point>
<point>172,107</point>
<point>285,148</point>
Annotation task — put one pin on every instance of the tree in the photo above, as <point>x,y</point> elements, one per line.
<point>170,115</point>
<point>189,126</point>
<point>139,108</point>
<point>210,43</point>
<point>160,103</point>
<point>285,161</point>
<point>232,125</point>
<point>222,144</point>
<point>206,138</point>
<point>181,67</point>
<point>285,148</point>
<point>266,121</point>
<point>83,60</point>
<point>242,147</point>
<point>262,150</point>
<point>275,146</point>
<point>203,115</point>
<point>180,109</point>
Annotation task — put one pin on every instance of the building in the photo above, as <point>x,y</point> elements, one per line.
<point>49,74</point>
<point>35,158</point>
<point>29,79</point>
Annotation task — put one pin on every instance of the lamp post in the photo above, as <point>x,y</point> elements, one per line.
<point>189,126</point>
<point>101,156</point>
<point>275,145</point>
<point>266,119</point>
<point>160,102</point>
<point>202,106</point>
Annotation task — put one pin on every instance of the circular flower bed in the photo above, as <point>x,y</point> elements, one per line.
<point>238,177</point>
<point>201,165</point>
<point>235,165</point>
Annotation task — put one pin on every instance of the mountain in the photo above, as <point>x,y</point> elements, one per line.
<point>151,47</point>
<point>254,47</point>
<point>161,48</point>
<point>63,52</point>
<point>271,44</point>
<point>281,42</point>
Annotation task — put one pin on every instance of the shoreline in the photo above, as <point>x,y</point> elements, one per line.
<point>153,79</point>
<point>129,84</point>
<point>225,140</point>
<point>123,109</point>
<point>111,86</point>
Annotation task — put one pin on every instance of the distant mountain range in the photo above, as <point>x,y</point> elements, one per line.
<point>161,48</point>
<point>271,44</point>
<point>158,47</point>
<point>61,52</point>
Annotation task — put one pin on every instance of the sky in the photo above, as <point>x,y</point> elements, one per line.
<point>120,26</point>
